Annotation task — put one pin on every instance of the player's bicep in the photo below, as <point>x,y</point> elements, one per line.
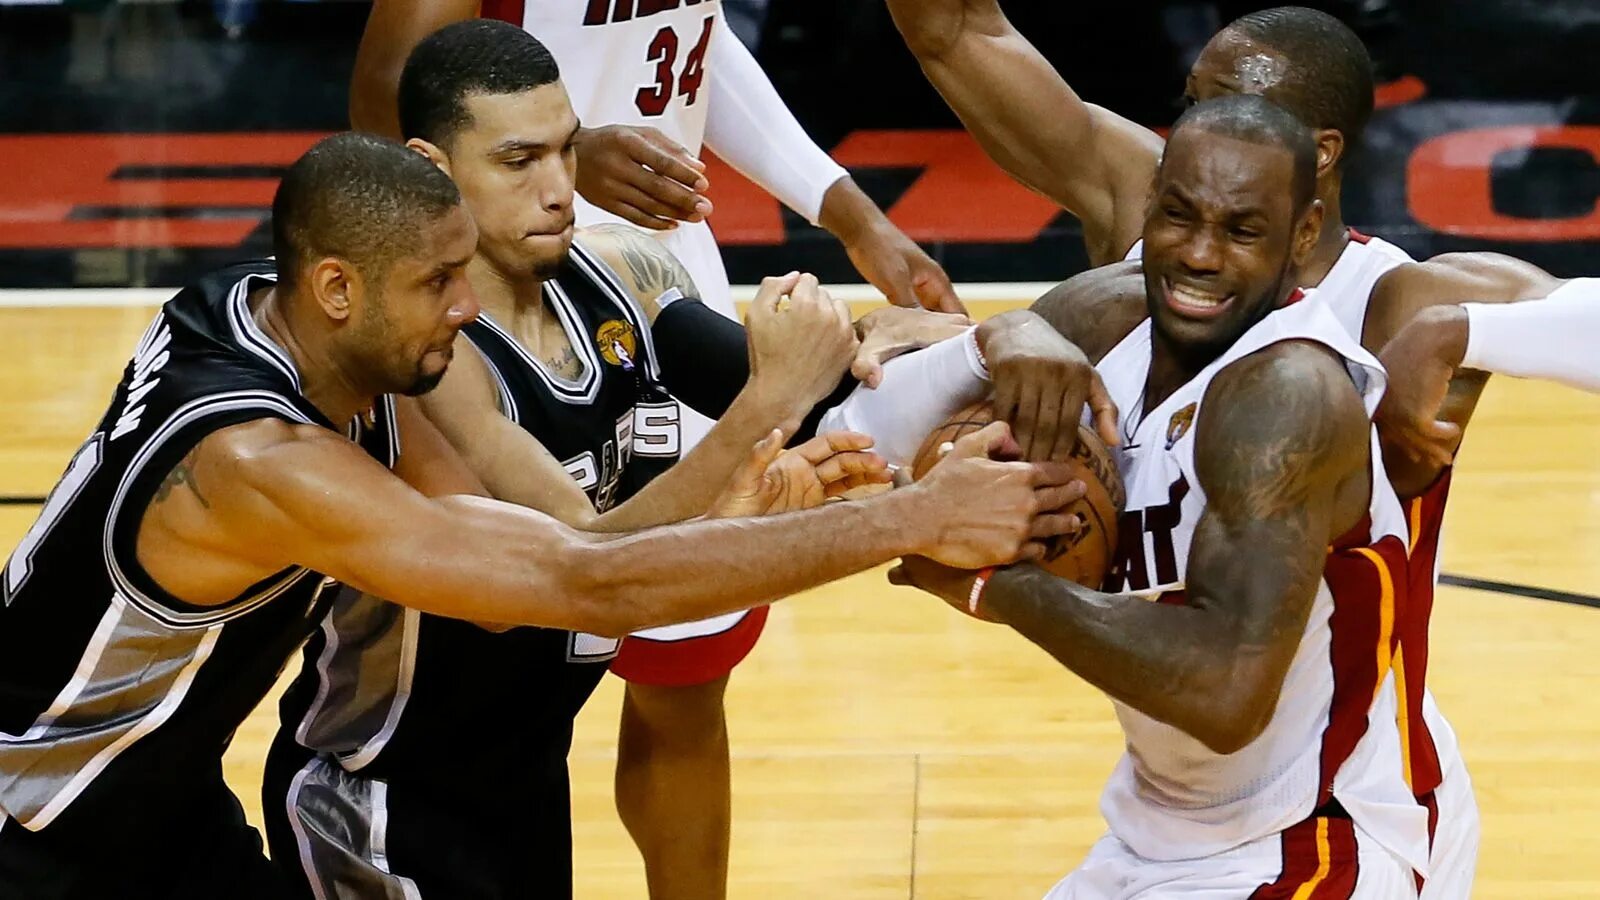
<point>281,495</point>
<point>1281,446</point>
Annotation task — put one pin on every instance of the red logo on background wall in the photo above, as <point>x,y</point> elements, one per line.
<point>214,190</point>
<point>1449,187</point>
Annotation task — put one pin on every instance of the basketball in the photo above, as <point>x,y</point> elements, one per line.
<point>1083,557</point>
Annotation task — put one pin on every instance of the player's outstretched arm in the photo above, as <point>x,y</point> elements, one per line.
<point>277,495</point>
<point>1283,430</point>
<point>1551,338</point>
<point>394,28</point>
<point>1096,164</point>
<point>750,127</point>
<point>1402,296</point>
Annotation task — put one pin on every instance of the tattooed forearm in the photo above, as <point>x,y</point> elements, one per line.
<point>1277,439</point>
<point>182,475</point>
<point>651,267</point>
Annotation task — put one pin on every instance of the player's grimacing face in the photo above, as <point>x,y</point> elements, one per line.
<point>515,164</point>
<point>1218,239</point>
<point>409,326</point>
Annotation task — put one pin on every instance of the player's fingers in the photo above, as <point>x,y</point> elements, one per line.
<point>937,294</point>
<point>1055,525</point>
<point>1058,496</point>
<point>805,291</point>
<point>1103,410</point>
<point>1032,551</point>
<point>828,443</point>
<point>1057,434</point>
<point>1004,402</point>
<point>1025,420</point>
<point>1444,437</point>
<point>845,466</point>
<point>868,368</point>
<point>765,452</point>
<point>841,313</point>
<point>653,204</point>
<point>982,442</point>
<point>635,216</point>
<point>772,291</point>
<point>664,155</point>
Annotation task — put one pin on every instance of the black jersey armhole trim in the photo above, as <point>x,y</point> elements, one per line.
<point>167,446</point>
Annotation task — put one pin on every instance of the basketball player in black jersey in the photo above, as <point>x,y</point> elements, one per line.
<point>558,399</point>
<point>193,541</point>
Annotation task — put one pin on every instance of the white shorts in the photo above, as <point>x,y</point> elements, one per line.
<point>1453,857</point>
<point>1319,859</point>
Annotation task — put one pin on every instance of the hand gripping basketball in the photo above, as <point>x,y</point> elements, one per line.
<point>988,512</point>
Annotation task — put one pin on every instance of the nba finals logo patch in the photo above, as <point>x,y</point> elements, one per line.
<point>1178,425</point>
<point>617,344</point>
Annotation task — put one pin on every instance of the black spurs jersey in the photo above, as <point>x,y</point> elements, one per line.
<point>112,691</point>
<point>392,693</point>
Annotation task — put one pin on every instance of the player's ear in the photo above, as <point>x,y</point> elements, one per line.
<point>1330,151</point>
<point>432,152</point>
<point>1306,233</point>
<point>335,283</point>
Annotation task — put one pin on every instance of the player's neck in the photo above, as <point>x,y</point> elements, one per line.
<point>1334,238</point>
<point>323,379</point>
<point>1168,372</point>
<point>512,301</point>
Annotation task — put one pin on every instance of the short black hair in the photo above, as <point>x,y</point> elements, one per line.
<point>478,56</point>
<point>359,197</point>
<point>1329,83</point>
<point>1256,120</point>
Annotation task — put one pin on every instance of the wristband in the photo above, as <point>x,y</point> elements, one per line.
<point>975,597</point>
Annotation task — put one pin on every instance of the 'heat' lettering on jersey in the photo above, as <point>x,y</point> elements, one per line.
<point>1131,568</point>
<point>605,12</point>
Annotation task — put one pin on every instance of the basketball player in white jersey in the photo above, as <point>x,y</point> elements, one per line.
<point>1098,165</point>
<point>1244,635</point>
<point>652,80</point>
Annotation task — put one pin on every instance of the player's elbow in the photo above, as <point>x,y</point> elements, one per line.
<point>1233,718</point>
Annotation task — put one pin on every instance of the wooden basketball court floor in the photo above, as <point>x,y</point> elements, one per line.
<point>886,747</point>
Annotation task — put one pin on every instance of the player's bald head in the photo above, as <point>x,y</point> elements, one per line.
<point>479,56</point>
<point>357,197</point>
<point>1304,60</point>
<point>1257,121</point>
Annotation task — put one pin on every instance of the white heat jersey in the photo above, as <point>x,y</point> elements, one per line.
<point>1348,286</point>
<point>1333,734</point>
<point>637,62</point>
<point>1431,745</point>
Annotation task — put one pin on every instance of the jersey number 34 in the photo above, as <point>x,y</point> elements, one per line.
<point>653,99</point>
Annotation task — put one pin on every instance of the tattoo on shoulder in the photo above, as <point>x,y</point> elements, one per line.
<point>182,475</point>
<point>652,267</point>
<point>1285,426</point>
